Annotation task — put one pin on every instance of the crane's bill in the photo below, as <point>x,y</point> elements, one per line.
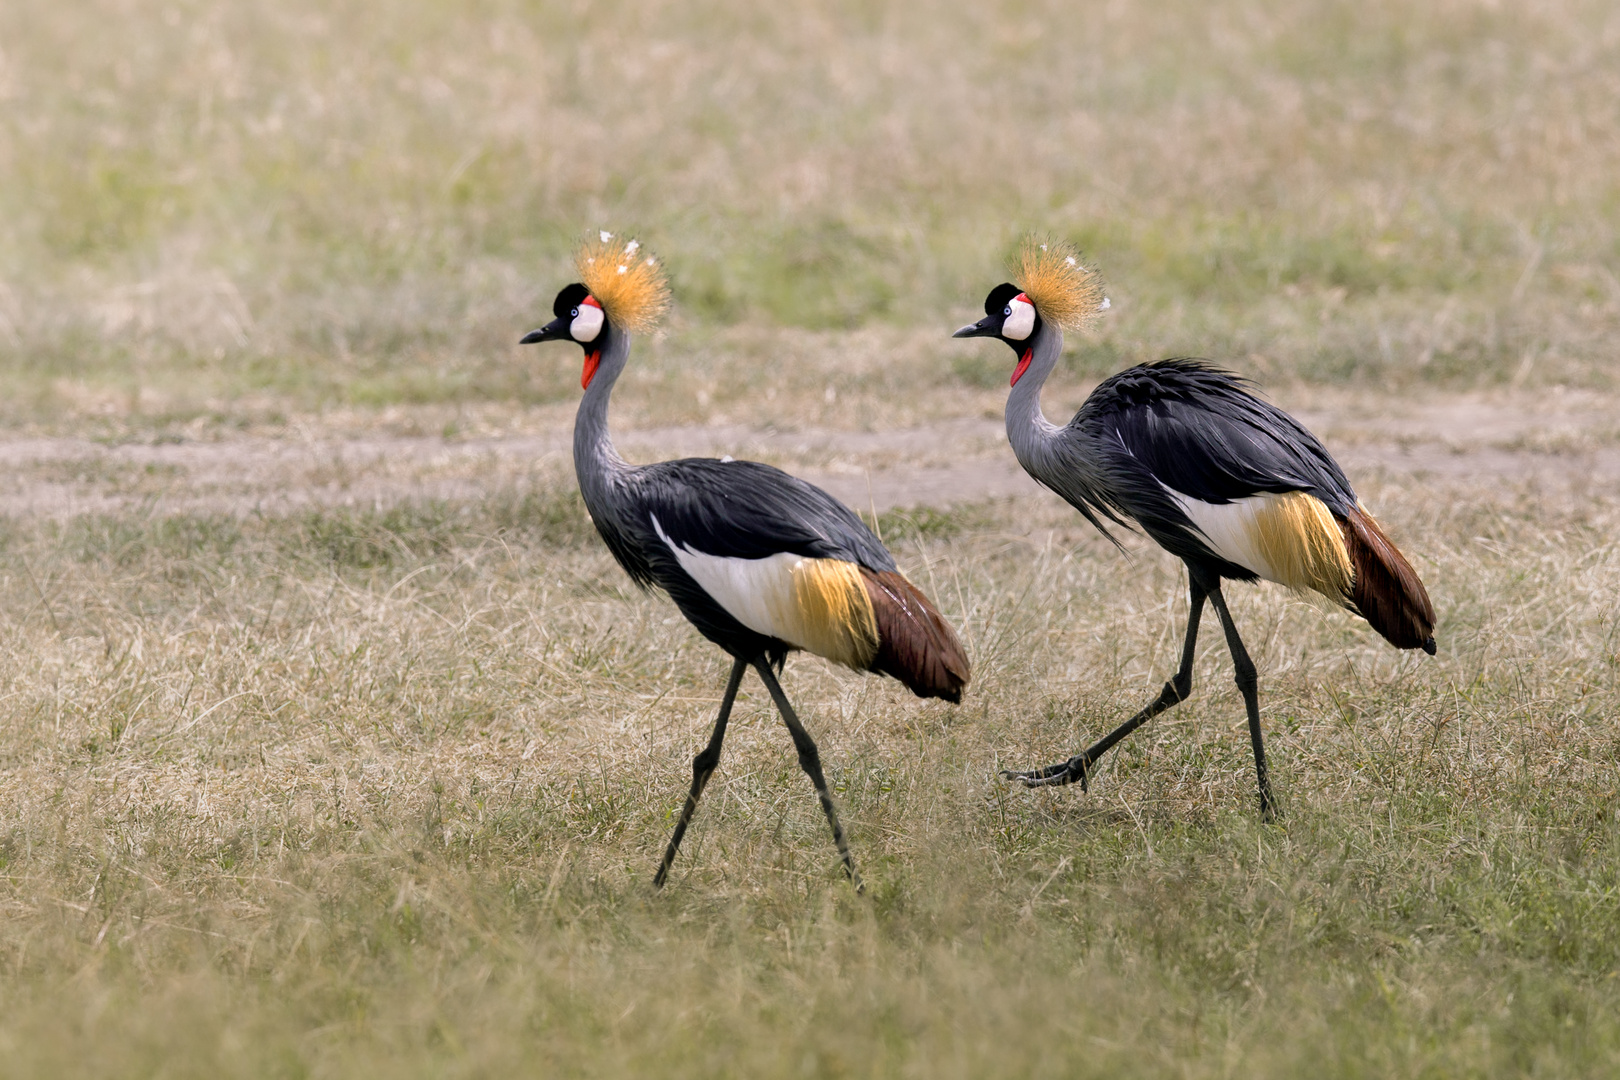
<point>552,331</point>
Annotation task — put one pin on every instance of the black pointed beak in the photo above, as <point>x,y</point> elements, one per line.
<point>983,328</point>
<point>554,330</point>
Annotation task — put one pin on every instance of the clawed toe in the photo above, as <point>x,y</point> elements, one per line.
<point>1066,772</point>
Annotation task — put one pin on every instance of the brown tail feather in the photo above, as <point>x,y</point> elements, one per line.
<point>915,644</point>
<point>1387,591</point>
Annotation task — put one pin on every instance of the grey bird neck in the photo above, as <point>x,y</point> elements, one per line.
<point>596,463</point>
<point>1032,436</point>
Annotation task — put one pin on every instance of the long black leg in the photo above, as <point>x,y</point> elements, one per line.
<point>1175,691</point>
<point>703,767</point>
<point>1248,681</point>
<point>810,762</point>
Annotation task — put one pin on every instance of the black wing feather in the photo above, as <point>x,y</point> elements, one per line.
<point>732,509</point>
<point>749,510</point>
<point>1199,430</point>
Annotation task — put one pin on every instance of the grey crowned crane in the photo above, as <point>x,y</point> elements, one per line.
<point>1226,482</point>
<point>761,563</point>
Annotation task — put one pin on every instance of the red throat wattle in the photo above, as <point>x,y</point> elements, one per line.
<point>591,360</point>
<point>1023,366</point>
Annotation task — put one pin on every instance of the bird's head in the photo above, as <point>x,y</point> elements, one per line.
<point>581,319</point>
<point>1053,287</point>
<point>1009,315</point>
<point>621,288</point>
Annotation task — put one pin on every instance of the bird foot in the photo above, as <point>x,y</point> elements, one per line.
<point>1065,772</point>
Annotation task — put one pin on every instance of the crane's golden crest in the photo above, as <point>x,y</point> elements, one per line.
<point>626,279</point>
<point>1053,277</point>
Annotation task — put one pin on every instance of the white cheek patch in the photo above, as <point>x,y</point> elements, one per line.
<point>1021,323</point>
<point>587,324</point>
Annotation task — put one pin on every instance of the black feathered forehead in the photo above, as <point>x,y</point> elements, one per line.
<point>999,297</point>
<point>569,299</point>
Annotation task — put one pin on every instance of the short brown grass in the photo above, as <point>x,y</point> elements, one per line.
<point>356,791</point>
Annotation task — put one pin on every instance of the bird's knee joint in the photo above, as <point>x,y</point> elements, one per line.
<point>1247,678</point>
<point>1181,686</point>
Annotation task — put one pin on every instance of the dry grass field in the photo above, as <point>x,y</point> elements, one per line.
<point>333,743</point>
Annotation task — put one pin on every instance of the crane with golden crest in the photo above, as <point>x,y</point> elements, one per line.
<point>1223,480</point>
<point>760,562</point>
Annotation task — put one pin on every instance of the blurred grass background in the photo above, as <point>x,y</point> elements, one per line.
<point>206,204</point>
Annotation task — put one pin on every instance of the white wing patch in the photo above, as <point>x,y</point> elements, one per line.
<point>1229,528</point>
<point>753,591</point>
<point>1290,538</point>
<point>800,601</point>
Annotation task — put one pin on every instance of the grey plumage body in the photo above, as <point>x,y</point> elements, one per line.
<point>1160,445</point>
<point>760,562</point>
<point>736,509</point>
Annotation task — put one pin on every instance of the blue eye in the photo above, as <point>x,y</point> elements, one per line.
<point>1008,311</point>
<point>574,314</point>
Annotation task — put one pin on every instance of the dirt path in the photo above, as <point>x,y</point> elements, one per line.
<point>1563,447</point>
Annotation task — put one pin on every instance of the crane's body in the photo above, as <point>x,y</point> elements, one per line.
<point>1222,480</point>
<point>760,562</point>
<point>1228,483</point>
